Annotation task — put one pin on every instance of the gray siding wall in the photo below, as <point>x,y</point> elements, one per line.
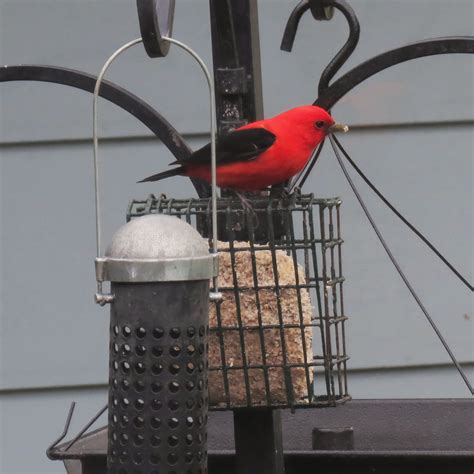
<point>411,133</point>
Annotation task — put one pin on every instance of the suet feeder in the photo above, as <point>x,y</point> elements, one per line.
<point>277,338</point>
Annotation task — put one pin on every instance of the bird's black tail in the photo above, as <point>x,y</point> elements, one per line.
<point>163,175</point>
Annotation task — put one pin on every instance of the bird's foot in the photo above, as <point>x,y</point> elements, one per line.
<point>281,191</point>
<point>248,208</point>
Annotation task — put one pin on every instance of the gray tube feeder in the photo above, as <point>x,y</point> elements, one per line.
<point>159,268</point>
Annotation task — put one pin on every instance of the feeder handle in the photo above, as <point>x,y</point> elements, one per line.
<point>101,298</point>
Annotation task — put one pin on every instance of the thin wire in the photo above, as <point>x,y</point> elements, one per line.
<point>49,451</point>
<point>212,95</point>
<point>87,426</point>
<point>307,170</point>
<point>402,218</point>
<point>397,266</point>
<point>96,144</point>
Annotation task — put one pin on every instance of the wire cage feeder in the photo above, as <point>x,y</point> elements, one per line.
<point>277,338</point>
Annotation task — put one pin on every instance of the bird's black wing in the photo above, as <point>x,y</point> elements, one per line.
<point>241,145</point>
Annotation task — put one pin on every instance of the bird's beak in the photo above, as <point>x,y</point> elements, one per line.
<point>338,127</point>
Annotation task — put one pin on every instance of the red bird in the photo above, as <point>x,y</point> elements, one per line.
<point>261,153</point>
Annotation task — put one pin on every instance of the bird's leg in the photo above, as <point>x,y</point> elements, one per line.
<point>247,206</point>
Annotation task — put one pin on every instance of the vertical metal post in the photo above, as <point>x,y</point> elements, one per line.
<point>258,441</point>
<point>238,81</point>
<point>236,61</point>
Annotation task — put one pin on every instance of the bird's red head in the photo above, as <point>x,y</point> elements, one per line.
<point>312,118</point>
<point>308,122</point>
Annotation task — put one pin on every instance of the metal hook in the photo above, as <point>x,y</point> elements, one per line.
<point>292,26</point>
<point>321,10</point>
<point>350,45</point>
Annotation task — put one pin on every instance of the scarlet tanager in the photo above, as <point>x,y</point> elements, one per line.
<point>262,153</point>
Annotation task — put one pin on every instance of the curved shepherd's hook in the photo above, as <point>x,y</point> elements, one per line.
<point>429,47</point>
<point>329,95</point>
<point>146,114</point>
<point>349,46</point>
<point>343,54</point>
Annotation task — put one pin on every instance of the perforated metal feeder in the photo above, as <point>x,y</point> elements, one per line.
<point>277,338</point>
<point>159,268</point>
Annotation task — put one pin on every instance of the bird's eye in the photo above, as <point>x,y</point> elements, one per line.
<point>319,124</point>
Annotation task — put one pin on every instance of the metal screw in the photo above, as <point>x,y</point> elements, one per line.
<point>103,299</point>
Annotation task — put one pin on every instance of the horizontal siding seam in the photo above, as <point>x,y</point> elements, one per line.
<point>204,134</point>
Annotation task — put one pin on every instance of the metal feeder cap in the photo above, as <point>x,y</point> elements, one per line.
<point>156,248</point>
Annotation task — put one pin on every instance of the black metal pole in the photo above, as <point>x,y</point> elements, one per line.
<point>238,79</point>
<point>236,61</point>
<point>258,441</point>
